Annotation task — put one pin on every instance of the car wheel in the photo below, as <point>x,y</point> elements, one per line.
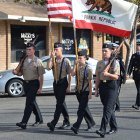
<point>15,88</point>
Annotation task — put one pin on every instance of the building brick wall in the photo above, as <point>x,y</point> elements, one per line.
<point>5,51</point>
<point>13,65</point>
<point>5,41</point>
<point>54,35</point>
<point>2,45</point>
<point>97,46</point>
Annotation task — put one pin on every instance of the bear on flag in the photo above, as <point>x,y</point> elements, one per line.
<point>114,17</point>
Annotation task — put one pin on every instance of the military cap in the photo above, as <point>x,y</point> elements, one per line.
<point>58,45</point>
<point>83,52</point>
<point>114,45</point>
<point>107,45</point>
<point>30,44</point>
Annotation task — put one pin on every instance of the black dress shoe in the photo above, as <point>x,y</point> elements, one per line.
<point>135,107</point>
<point>117,109</point>
<point>51,126</point>
<point>90,129</point>
<point>37,123</point>
<point>22,125</point>
<point>64,125</point>
<point>74,130</point>
<point>112,131</point>
<point>99,132</point>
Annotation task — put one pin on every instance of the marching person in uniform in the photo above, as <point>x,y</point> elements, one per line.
<point>134,66</point>
<point>106,86</point>
<point>61,85</point>
<point>122,77</point>
<point>84,91</point>
<point>32,72</point>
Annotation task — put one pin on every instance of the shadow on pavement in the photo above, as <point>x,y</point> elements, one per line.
<point>42,129</point>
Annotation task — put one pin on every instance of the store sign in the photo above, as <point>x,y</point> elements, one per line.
<point>67,43</point>
<point>27,37</point>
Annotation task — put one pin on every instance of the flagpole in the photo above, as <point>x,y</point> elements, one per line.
<point>76,53</point>
<point>76,49</point>
<point>52,47</point>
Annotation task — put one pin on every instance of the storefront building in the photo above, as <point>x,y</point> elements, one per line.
<point>21,23</point>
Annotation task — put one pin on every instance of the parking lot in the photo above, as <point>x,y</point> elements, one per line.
<point>11,111</point>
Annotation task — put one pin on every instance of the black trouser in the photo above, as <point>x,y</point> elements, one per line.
<point>83,104</point>
<point>137,83</point>
<point>30,89</point>
<point>87,116</point>
<point>64,109</point>
<point>108,94</point>
<point>118,101</point>
<point>60,92</point>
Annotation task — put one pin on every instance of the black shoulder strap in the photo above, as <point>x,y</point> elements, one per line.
<point>84,79</point>
<point>61,68</point>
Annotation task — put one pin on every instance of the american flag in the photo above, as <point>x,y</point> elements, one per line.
<point>59,8</point>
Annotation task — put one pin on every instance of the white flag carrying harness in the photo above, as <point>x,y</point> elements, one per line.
<point>114,17</point>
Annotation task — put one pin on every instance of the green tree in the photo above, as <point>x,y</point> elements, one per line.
<point>38,2</point>
<point>42,2</point>
<point>135,1</point>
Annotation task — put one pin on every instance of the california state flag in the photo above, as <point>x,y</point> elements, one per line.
<point>114,17</point>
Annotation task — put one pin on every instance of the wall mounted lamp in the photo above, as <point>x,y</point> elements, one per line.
<point>22,19</point>
<point>98,35</point>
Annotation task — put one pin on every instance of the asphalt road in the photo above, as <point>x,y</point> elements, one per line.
<point>11,111</point>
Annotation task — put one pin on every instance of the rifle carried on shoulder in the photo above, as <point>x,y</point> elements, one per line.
<point>113,57</point>
<point>18,69</point>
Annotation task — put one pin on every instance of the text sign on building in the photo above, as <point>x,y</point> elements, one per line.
<point>27,37</point>
<point>21,35</point>
<point>67,44</point>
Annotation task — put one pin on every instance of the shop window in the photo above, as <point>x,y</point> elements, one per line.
<point>68,40</point>
<point>21,35</point>
<point>83,39</point>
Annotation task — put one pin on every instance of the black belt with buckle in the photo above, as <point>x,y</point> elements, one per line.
<point>106,81</point>
<point>29,81</point>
